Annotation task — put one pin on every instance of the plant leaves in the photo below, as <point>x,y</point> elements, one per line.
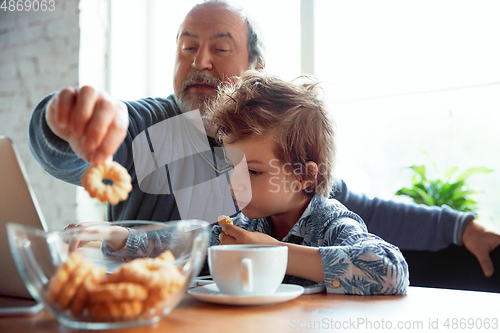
<point>469,172</point>
<point>406,191</point>
<point>442,191</point>
<point>429,201</point>
<point>449,173</point>
<point>420,170</point>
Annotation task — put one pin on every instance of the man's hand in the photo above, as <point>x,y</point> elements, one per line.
<point>236,235</point>
<point>91,122</point>
<point>480,241</point>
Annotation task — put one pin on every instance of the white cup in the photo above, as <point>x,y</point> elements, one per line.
<point>248,269</point>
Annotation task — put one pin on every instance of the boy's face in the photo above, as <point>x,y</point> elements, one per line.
<point>274,190</point>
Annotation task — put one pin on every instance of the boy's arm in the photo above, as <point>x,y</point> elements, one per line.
<point>357,262</point>
<point>360,263</point>
<point>138,245</point>
<point>303,261</point>
<point>117,242</point>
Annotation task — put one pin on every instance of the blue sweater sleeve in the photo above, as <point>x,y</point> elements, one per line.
<point>408,226</point>
<point>53,154</point>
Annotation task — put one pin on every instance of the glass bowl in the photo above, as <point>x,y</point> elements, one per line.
<point>85,284</point>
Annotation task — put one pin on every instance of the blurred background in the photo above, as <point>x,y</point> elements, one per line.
<point>408,82</point>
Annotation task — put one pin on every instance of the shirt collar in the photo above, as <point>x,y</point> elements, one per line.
<point>299,228</point>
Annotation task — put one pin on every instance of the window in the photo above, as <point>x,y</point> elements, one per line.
<point>401,76</point>
<point>142,50</point>
<point>408,76</point>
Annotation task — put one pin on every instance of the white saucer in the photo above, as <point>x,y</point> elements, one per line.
<point>210,293</point>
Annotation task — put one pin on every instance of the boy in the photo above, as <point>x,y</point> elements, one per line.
<point>287,140</point>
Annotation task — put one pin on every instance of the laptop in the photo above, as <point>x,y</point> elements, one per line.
<point>17,204</point>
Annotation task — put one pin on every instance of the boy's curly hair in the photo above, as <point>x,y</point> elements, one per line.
<point>292,113</point>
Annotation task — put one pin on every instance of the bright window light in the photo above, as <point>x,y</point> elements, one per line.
<point>406,76</point>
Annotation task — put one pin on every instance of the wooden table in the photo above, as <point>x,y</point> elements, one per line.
<point>422,310</point>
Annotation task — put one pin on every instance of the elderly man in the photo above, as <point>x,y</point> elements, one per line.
<point>215,43</point>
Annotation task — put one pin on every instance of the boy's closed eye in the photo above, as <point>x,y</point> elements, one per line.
<point>254,172</point>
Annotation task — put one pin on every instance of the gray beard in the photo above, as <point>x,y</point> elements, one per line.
<point>190,103</point>
<point>187,106</point>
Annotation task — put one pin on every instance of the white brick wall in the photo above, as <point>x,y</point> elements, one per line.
<point>38,55</point>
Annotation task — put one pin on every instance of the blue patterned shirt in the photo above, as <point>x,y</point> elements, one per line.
<point>354,261</point>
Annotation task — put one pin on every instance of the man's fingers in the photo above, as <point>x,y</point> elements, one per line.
<point>83,110</point>
<point>59,112</point>
<point>99,124</point>
<point>108,147</point>
<point>94,124</point>
<point>480,241</point>
<point>486,264</point>
<point>116,133</point>
<point>62,106</point>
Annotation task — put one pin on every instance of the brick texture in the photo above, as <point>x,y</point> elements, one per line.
<point>38,55</point>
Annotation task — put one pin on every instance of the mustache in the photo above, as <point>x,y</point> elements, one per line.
<point>197,77</point>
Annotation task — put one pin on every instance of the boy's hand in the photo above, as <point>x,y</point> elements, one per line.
<point>91,122</point>
<point>236,235</point>
<point>116,236</point>
<point>303,261</point>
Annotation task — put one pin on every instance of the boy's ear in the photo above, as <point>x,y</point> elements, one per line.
<point>309,177</point>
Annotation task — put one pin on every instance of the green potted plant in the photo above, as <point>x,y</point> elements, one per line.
<point>449,189</point>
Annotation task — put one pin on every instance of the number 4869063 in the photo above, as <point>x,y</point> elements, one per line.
<point>28,5</point>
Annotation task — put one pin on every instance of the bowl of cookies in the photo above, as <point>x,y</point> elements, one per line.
<point>110,275</point>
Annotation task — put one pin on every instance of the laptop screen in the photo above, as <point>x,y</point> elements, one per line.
<point>17,204</point>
